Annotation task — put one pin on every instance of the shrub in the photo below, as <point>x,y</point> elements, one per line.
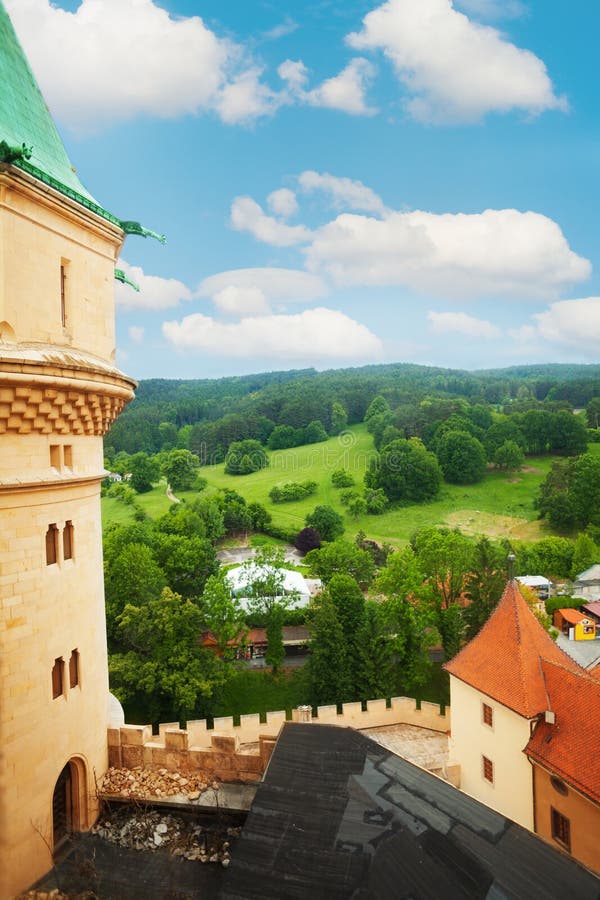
<point>308,539</point>
<point>342,479</point>
<point>293,490</point>
<point>244,457</point>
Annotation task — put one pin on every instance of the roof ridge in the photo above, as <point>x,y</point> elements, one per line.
<point>518,613</point>
<point>503,659</point>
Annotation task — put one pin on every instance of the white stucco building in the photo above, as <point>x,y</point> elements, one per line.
<point>497,696</point>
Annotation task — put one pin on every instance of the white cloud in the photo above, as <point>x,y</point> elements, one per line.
<point>136,333</point>
<point>493,253</point>
<point>247,215</point>
<point>246,98</point>
<point>347,90</point>
<point>115,59</point>
<point>155,292</point>
<point>493,9</point>
<point>288,26</point>
<point>252,291</point>
<point>238,301</point>
<point>461,323</point>
<point>571,324</point>
<point>315,335</point>
<point>283,203</point>
<point>345,192</point>
<point>453,69</point>
<point>294,73</point>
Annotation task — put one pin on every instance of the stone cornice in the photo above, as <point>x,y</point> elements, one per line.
<point>43,484</point>
<point>11,177</point>
<point>59,395</point>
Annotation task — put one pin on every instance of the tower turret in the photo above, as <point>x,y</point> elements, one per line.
<point>59,393</point>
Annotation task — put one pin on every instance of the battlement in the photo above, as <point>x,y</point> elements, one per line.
<point>240,752</point>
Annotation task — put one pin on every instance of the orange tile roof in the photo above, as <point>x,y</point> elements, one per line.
<point>504,659</point>
<point>569,748</point>
<point>571,615</point>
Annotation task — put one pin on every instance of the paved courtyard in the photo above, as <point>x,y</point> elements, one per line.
<point>425,748</point>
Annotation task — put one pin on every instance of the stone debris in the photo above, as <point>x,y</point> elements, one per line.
<point>55,894</point>
<point>152,829</point>
<point>140,784</point>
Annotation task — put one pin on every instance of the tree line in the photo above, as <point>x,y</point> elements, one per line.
<point>206,416</point>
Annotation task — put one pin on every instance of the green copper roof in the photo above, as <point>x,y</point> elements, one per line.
<point>29,139</point>
<point>26,121</point>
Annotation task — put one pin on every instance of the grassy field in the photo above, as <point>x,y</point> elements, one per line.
<point>499,505</point>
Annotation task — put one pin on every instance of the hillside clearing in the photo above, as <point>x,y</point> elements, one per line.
<point>500,505</point>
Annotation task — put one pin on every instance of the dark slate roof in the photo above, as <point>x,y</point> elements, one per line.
<point>339,816</point>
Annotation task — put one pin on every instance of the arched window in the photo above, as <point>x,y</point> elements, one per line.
<point>74,669</point>
<point>52,545</point>
<point>58,678</point>
<point>68,534</point>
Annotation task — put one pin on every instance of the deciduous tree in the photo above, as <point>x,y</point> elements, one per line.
<point>341,557</point>
<point>162,665</point>
<point>326,521</point>
<point>462,457</point>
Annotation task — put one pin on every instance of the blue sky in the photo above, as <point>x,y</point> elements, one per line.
<point>340,181</point>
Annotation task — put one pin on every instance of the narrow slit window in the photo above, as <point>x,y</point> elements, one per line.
<point>488,769</point>
<point>55,456</point>
<point>64,265</point>
<point>58,677</point>
<point>561,828</point>
<point>52,544</point>
<point>488,715</point>
<point>68,456</point>
<point>68,533</point>
<point>74,669</point>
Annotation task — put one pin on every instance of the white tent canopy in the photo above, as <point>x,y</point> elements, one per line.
<point>242,577</point>
<point>535,581</point>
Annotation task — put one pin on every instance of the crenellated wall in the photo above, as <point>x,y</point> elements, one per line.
<point>224,751</point>
<point>134,745</point>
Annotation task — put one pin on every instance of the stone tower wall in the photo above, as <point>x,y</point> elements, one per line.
<point>59,393</point>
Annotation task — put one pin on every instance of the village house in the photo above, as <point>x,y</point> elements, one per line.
<point>510,691</point>
<point>565,761</point>
<point>252,643</point>
<point>587,583</point>
<point>574,624</point>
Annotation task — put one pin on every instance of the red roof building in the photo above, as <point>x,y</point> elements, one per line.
<point>565,752</point>
<point>503,660</point>
<point>526,729</point>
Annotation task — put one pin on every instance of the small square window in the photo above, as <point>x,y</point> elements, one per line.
<point>561,828</point>
<point>52,545</point>
<point>74,669</point>
<point>58,677</point>
<point>488,715</point>
<point>488,769</point>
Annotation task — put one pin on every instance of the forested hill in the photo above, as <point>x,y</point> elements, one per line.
<point>165,411</point>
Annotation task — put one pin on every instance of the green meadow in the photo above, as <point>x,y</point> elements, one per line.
<point>501,504</point>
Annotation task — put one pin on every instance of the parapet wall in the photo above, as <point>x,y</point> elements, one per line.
<point>134,745</point>
<point>223,752</point>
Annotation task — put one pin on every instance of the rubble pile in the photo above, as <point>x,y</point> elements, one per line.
<point>151,830</point>
<point>144,784</point>
<point>55,894</point>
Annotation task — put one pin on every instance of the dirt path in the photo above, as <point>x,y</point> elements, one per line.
<point>171,495</point>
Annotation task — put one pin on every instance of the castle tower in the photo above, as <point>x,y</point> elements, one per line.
<point>59,393</point>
